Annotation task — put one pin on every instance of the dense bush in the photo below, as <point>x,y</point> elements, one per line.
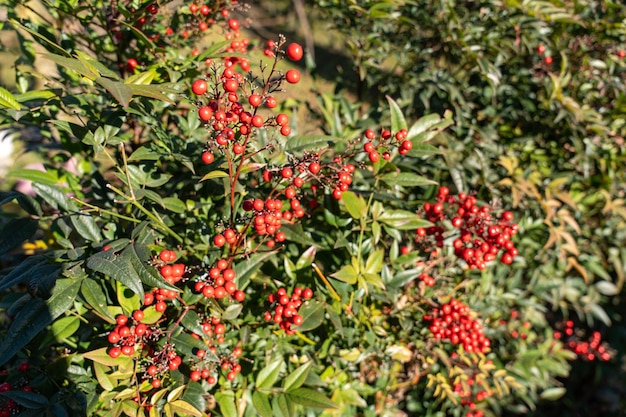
<point>187,252</point>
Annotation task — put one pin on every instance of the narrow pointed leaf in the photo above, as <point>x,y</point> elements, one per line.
<point>8,100</point>
<point>261,404</point>
<point>310,398</point>
<point>296,378</point>
<point>397,118</point>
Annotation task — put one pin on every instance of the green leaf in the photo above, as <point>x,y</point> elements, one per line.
<point>191,321</point>
<point>120,91</point>
<point>214,174</point>
<point>310,398</point>
<point>34,175</point>
<point>374,263</point>
<point>226,401</point>
<point>95,298</point>
<point>8,100</point>
<point>86,227</point>
<point>295,233</point>
<point>117,267</point>
<point>306,259</point>
<point>28,400</point>
<point>297,377</point>
<point>104,379</point>
<point>53,196</point>
<point>36,316</point>
<point>356,206</point>
<point>102,357</point>
<point>65,327</point>
<point>403,220</point>
<point>553,394</point>
<point>347,274</point>
<point>397,118</point>
<point>308,142</point>
<point>144,153</point>
<point>142,78</point>
<point>268,375</point>
<point>189,345</point>
<point>150,91</point>
<point>313,314</point>
<point>16,231</point>
<point>174,204</point>
<point>82,68</point>
<point>606,288</point>
<point>245,270</point>
<point>32,267</point>
<point>283,406</point>
<point>139,255</point>
<point>429,122</point>
<point>406,179</point>
<point>186,409</point>
<point>39,37</point>
<point>261,404</point>
<point>423,149</point>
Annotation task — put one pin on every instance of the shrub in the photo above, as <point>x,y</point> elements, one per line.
<point>194,255</point>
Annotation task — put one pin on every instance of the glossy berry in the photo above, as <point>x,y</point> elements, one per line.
<point>292,76</point>
<point>199,87</point>
<point>295,52</point>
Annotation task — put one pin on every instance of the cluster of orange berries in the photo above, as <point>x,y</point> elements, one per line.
<point>285,308</point>
<point>590,350</point>
<point>219,282</point>
<point>383,144</point>
<point>482,235</point>
<point>452,321</point>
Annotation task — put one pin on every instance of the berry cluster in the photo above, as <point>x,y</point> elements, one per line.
<point>286,308</point>
<point>125,336</point>
<point>469,397</point>
<point>591,349</point>
<point>219,282</point>
<point>267,216</point>
<point>541,49</point>
<point>159,362</point>
<point>453,322</point>
<point>173,274</point>
<point>383,144</point>
<point>428,280</point>
<point>9,407</point>
<point>482,235</point>
<point>201,368</point>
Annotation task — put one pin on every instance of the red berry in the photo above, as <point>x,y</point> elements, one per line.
<point>255,100</point>
<point>199,87</point>
<point>257,121</point>
<point>314,168</point>
<point>205,113</point>
<point>138,315</point>
<point>219,241</point>
<point>115,352</point>
<point>121,319</point>
<point>374,156</point>
<point>548,60</point>
<point>292,76</point>
<point>195,376</point>
<point>271,102</point>
<point>233,24</point>
<point>286,172</point>
<point>282,119</point>
<point>541,49</point>
<point>295,52</point>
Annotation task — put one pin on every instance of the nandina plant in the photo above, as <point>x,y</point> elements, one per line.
<point>204,258</point>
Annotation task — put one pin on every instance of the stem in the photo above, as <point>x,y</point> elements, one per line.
<point>103,211</point>
<point>328,284</point>
<point>159,222</point>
